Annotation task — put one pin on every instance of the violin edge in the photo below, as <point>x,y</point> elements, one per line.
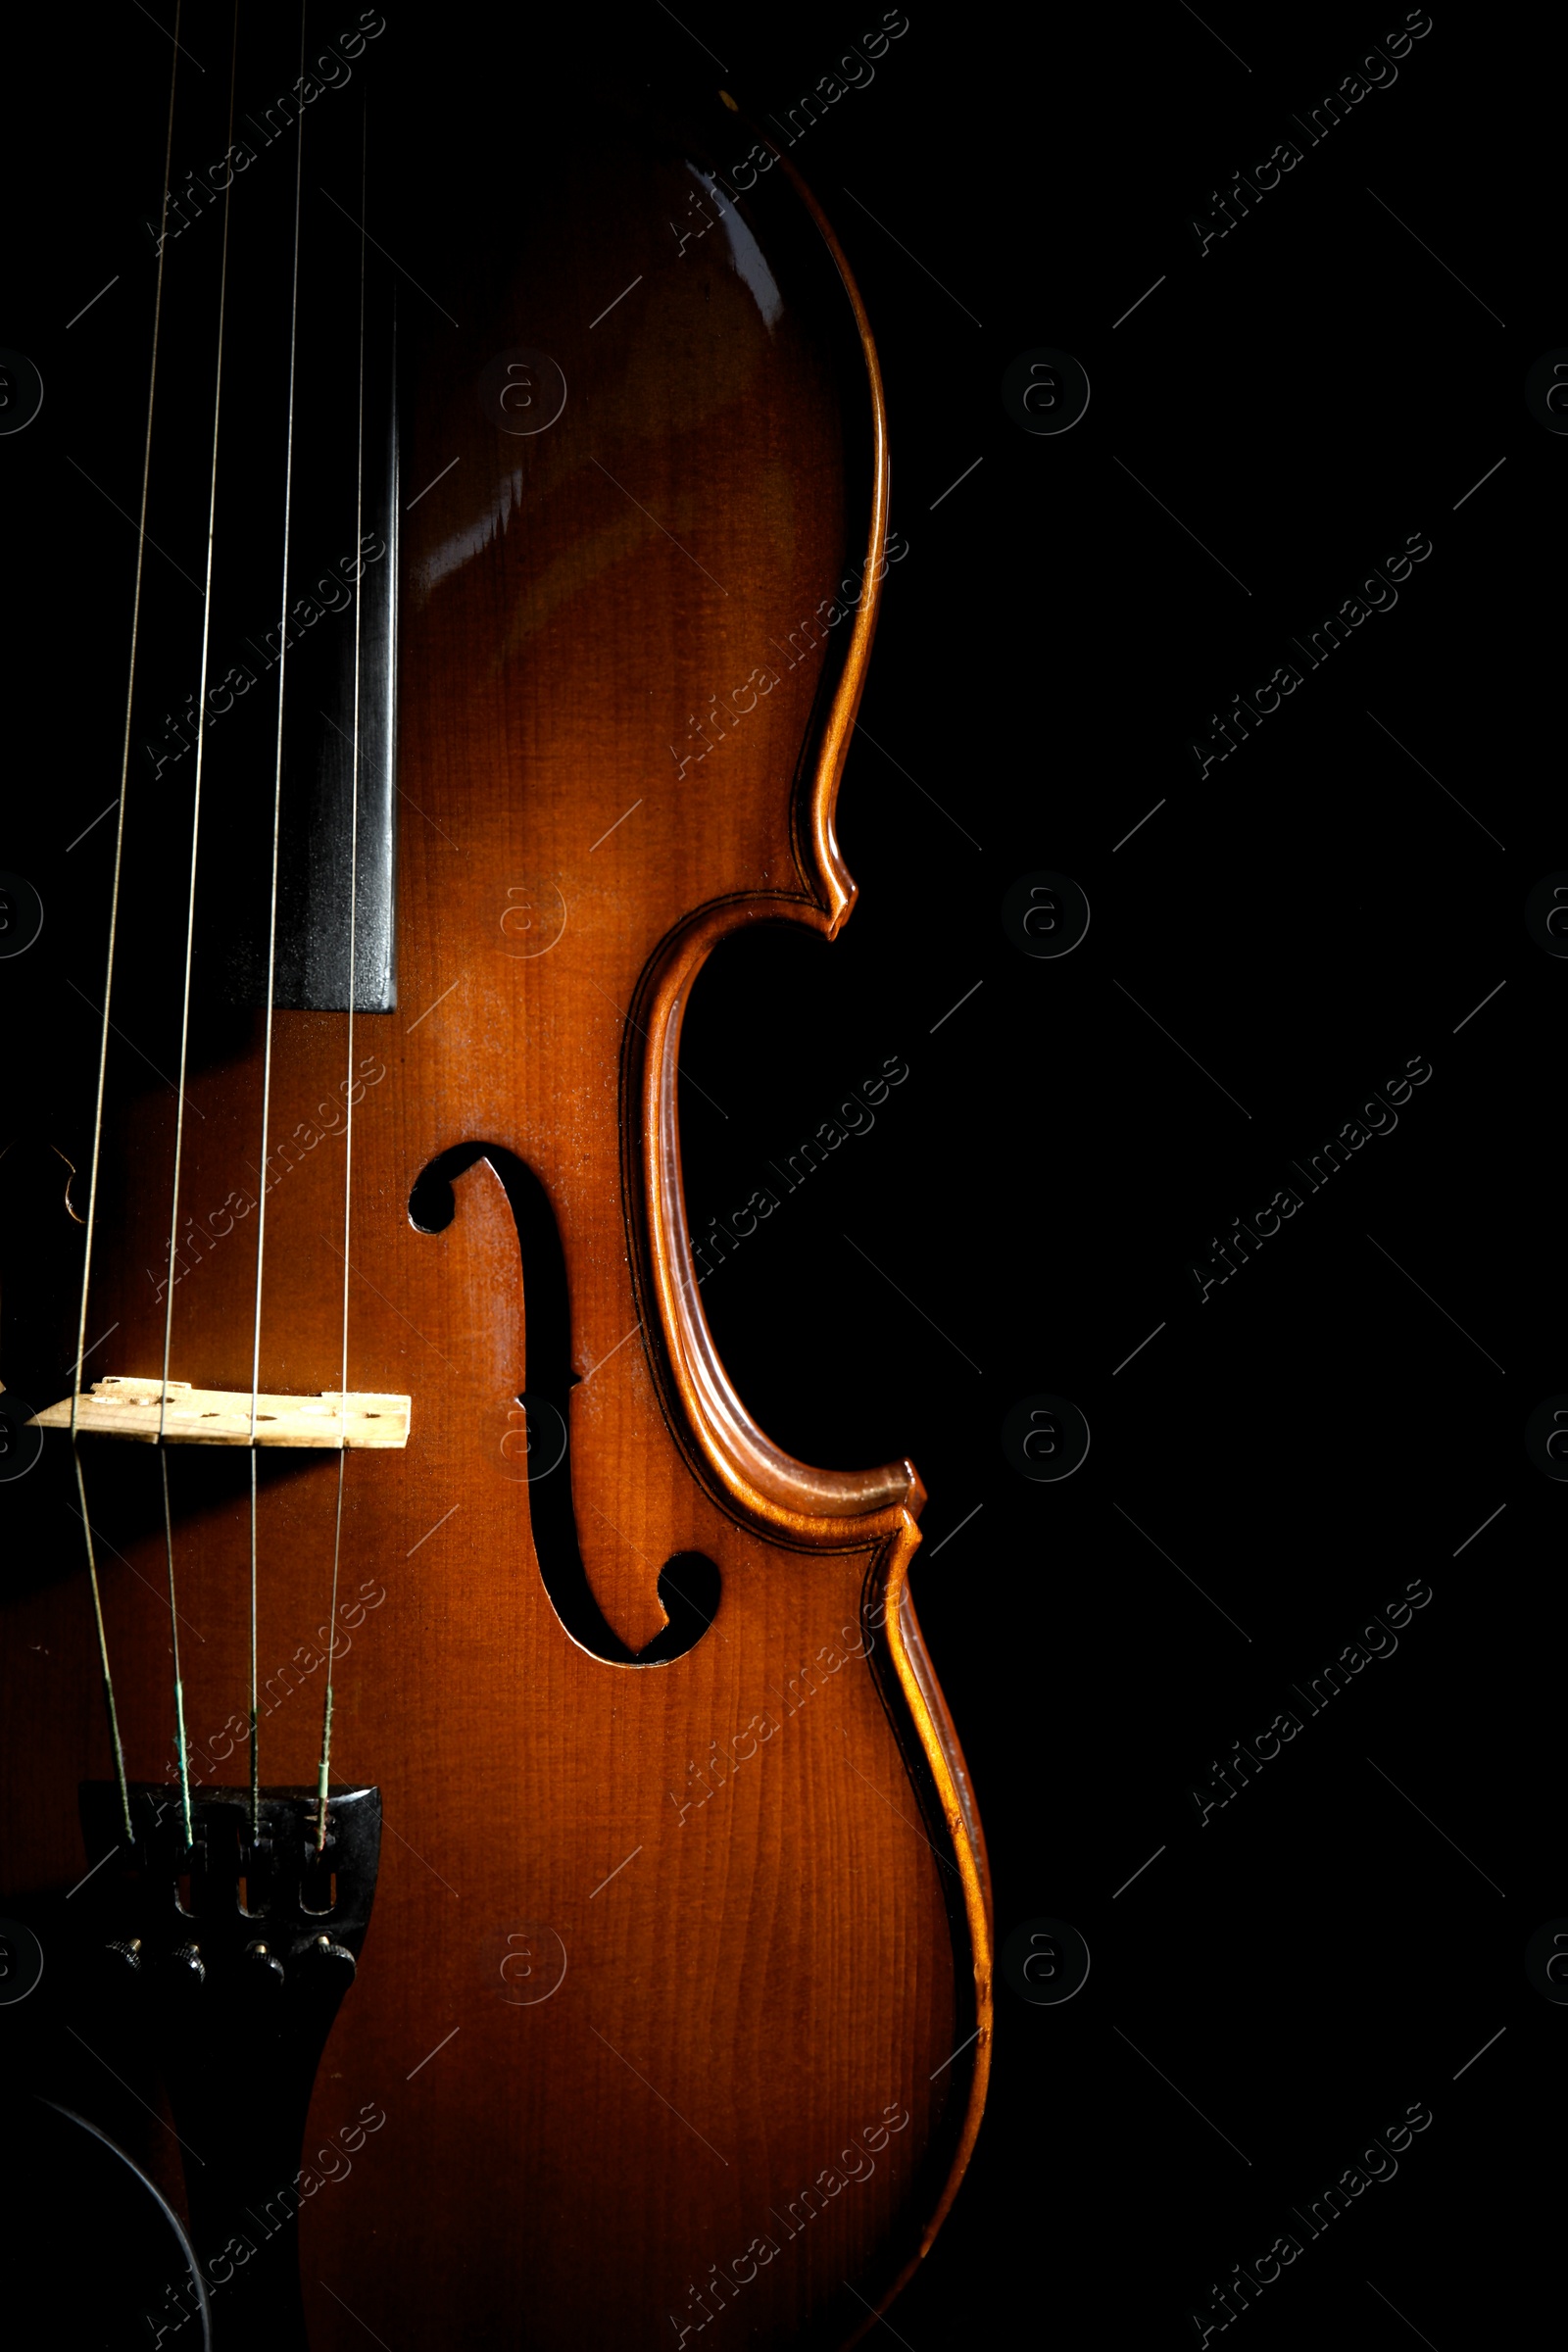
<point>818,802</point>
<point>777,1492</point>
<point>787,1499</point>
<point>938,1737</point>
<point>773,1491</point>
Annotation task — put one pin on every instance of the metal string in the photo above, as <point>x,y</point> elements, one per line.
<point>102,1650</point>
<point>348,1134</point>
<point>109,972</point>
<point>174,1630</point>
<point>271,934</point>
<point>190,934</point>
<point>255,1758</point>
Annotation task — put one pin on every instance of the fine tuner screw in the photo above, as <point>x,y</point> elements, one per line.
<point>323,1953</point>
<point>266,1966</point>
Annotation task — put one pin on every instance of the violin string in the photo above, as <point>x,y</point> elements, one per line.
<point>256,1761</point>
<point>272,929</point>
<point>173,1634</point>
<point>348,1133</point>
<point>190,935</point>
<point>109,970</point>
<point>103,1652</point>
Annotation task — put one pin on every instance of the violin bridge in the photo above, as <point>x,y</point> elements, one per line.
<point>176,1414</point>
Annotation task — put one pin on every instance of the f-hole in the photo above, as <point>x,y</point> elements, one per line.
<point>688,1582</point>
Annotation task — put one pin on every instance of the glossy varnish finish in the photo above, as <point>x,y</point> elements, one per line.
<point>759,1860</point>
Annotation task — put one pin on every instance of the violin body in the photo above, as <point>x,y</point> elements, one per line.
<point>675,1997</point>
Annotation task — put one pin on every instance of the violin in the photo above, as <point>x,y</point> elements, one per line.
<point>499,1865</point>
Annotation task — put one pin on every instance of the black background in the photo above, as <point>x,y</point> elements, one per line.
<point>1333,899</point>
